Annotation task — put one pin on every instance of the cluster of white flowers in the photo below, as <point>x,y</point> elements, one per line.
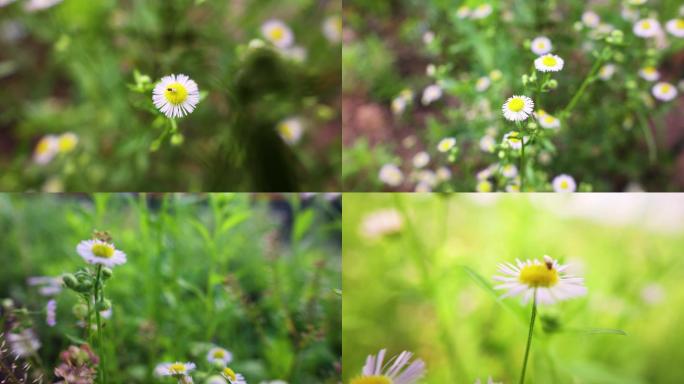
<point>49,146</point>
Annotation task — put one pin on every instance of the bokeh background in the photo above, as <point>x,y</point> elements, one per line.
<point>256,274</point>
<point>419,279</point>
<point>70,68</point>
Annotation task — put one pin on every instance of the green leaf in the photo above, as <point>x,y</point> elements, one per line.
<point>75,339</point>
<point>234,220</point>
<point>598,331</point>
<point>303,222</point>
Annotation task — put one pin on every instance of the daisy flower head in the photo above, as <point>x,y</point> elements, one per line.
<point>484,186</point>
<point>278,33</point>
<point>431,94</point>
<point>397,370</point>
<point>541,45</point>
<point>428,37</point>
<point>607,71</point>
<point>443,174</point>
<point>446,144</point>
<point>591,19</point>
<point>219,355</point>
<point>548,63</point>
<point>509,170</point>
<point>649,73</point>
<point>391,175</point>
<point>38,5</point>
<point>646,28</point>
<point>67,142</point>
<point>675,27</point>
<point>544,280</point>
<point>399,105</point>
<point>421,159</point>
<point>517,108</point>
<point>564,183</point>
<point>482,11</point>
<point>232,376</point>
<point>332,28</point>
<point>463,12</point>
<point>513,140</point>
<point>291,130</point>
<point>664,91</point>
<point>100,252</point>
<point>176,369</point>
<point>487,144</point>
<point>46,149</point>
<point>547,121</point>
<point>482,84</point>
<point>176,95</point>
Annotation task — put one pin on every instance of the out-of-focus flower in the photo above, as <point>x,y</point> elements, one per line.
<point>67,142</point>
<point>591,19</point>
<point>332,28</point>
<point>47,285</point>
<point>607,71</point>
<point>463,12</point>
<point>547,121</point>
<point>381,223</point>
<point>24,343</point>
<point>664,91</point>
<point>291,130</point>
<point>428,37</point>
<point>431,94</point>
<point>37,5</point>
<point>4,3</point>
<point>295,53</point>
<point>278,33</point>
<point>219,355</point>
<point>446,144</point>
<point>443,174</point>
<point>482,11</point>
<point>564,183</point>
<point>484,186</point>
<point>647,28</point>
<point>400,102</point>
<point>649,73</point>
<point>100,252</point>
<point>391,175</point>
<point>517,108</point>
<point>51,313</point>
<point>46,149</point>
<point>488,143</point>
<point>482,84</point>
<point>176,95</point>
<point>78,365</point>
<point>548,63</point>
<point>653,294</point>
<point>398,370</point>
<point>675,27</point>
<point>421,159</point>
<point>541,45</point>
<point>509,170</point>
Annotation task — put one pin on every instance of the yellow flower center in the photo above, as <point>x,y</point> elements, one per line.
<point>277,33</point>
<point>286,130</point>
<point>649,70</point>
<point>665,88</point>
<point>67,143</point>
<point>219,354</point>
<point>539,275</point>
<point>229,373</point>
<point>549,61</point>
<point>541,45</point>
<point>176,93</point>
<point>177,368</point>
<point>679,24</point>
<point>107,251</point>
<point>516,105</point>
<point>43,146</point>
<point>548,119</point>
<point>564,184</point>
<point>646,25</point>
<point>371,380</point>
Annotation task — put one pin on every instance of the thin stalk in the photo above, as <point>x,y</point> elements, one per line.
<point>522,164</point>
<point>650,139</point>
<point>583,87</point>
<point>529,338</point>
<point>98,319</point>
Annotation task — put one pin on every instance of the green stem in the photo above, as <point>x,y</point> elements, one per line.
<point>583,87</point>
<point>529,338</point>
<point>650,139</point>
<point>99,294</point>
<point>522,163</point>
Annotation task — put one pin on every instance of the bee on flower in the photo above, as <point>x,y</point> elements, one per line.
<point>176,95</point>
<point>664,91</point>
<point>397,370</point>
<point>541,45</point>
<point>675,27</point>
<point>646,28</point>
<point>548,63</point>
<point>291,130</point>
<point>517,108</point>
<point>649,73</point>
<point>446,144</point>
<point>278,33</point>
<point>564,183</point>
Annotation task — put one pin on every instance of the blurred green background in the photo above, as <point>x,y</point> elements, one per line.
<point>256,275</point>
<point>424,286</point>
<point>68,69</point>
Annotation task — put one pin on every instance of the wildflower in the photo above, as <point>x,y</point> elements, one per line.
<point>664,91</point>
<point>489,381</point>
<point>100,252</point>
<point>4,3</point>
<point>218,354</point>
<point>649,73</point>
<point>591,19</point>
<point>629,14</point>
<point>24,343</point>
<point>509,170</point>
<point>67,142</point>
<point>176,95</point>
<point>38,5</point>
<point>482,84</point>
<point>296,53</point>
<point>176,369</point>
<point>381,223</point>
<point>675,27</point>
<point>332,28</point>
<point>443,174</point>
<point>78,365</point>
<point>513,140</point>
<point>46,149</point>
<point>482,11</point>
<point>47,285</point>
<point>486,173</point>
<point>495,74</point>
<point>428,37</point>
<point>564,183</point>
<point>291,130</point>
<point>513,188</point>
<point>421,159</point>
<point>488,143</point>
<point>446,144</point>
<point>431,94</point>
<point>51,313</point>
<point>546,279</point>
<point>463,12</point>
<point>653,294</point>
<point>400,102</point>
<point>646,28</point>
<point>278,33</point>
<point>607,71</point>
<point>541,45</point>
<point>484,186</point>
<point>423,187</point>
<point>391,175</point>
<point>517,108</point>
<point>396,371</point>
<point>232,377</point>
<point>547,121</point>
<point>548,63</point>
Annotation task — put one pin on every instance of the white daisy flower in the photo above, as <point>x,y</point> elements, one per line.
<point>591,19</point>
<point>100,252</point>
<point>564,183</point>
<point>443,174</point>
<point>427,176</point>
<point>541,45</point>
<point>218,354</point>
<point>509,171</point>
<point>484,186</point>
<point>431,94</point>
<point>546,279</point>
<point>482,84</point>
<point>428,37</point>
<point>381,223</point>
<point>46,149</point>
<point>547,121</point>
<point>675,27</point>
<point>278,33</point>
<point>423,187</point>
<point>512,139</point>
<point>489,381</point>
<point>482,11</point>
<point>67,142</point>
<point>297,53</point>
<point>649,73</point>
<point>421,159</point>
<point>488,143</point>
<point>37,5</point>
<point>176,95</point>
<point>446,144</point>
<point>607,71</point>
<point>463,12</point>
<point>232,376</point>
<point>391,175</point>
<point>486,173</point>
<point>332,28</point>
<point>513,188</point>
<point>24,343</point>
<point>176,369</point>
<point>517,108</point>
<point>629,14</point>
<point>399,105</point>
<point>291,130</point>
<point>398,370</point>
<point>549,63</point>
<point>664,91</point>
<point>646,28</point>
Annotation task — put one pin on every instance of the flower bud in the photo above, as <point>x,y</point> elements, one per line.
<point>103,305</point>
<point>552,84</point>
<point>70,281</point>
<point>177,139</point>
<point>106,273</point>
<point>80,310</point>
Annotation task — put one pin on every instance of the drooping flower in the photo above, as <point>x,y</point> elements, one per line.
<point>291,130</point>
<point>220,355</point>
<point>100,252</point>
<point>541,45</point>
<point>548,63</point>
<point>564,183</point>
<point>232,376</point>
<point>176,95</point>
<point>391,175</point>
<point>278,33</point>
<point>664,91</point>
<point>176,369</point>
<point>546,279</point>
<point>46,149</point>
<point>446,144</point>
<point>398,370</point>
<point>332,28</point>
<point>649,73</point>
<point>517,108</point>
<point>646,28</point>
<point>675,27</point>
